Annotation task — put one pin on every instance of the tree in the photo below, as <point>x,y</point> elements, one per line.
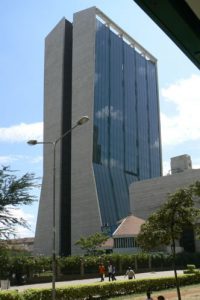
<point>166,225</point>
<point>14,192</point>
<point>92,242</point>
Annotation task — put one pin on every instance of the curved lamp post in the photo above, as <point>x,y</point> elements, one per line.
<point>80,122</point>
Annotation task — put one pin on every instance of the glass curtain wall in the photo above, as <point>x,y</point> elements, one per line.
<point>126,139</point>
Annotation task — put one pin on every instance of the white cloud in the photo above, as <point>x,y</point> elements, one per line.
<point>21,132</point>
<point>195,166</point>
<point>155,144</point>
<point>8,159</point>
<point>166,168</point>
<point>105,112</point>
<point>37,159</point>
<point>184,124</point>
<point>19,230</point>
<point>22,232</point>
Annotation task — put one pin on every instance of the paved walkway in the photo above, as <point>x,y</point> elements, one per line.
<point>92,280</point>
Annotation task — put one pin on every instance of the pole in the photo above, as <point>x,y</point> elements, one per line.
<point>54,226</point>
<point>54,213</point>
<point>81,121</point>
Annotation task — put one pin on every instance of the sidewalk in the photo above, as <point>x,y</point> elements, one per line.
<point>84,281</point>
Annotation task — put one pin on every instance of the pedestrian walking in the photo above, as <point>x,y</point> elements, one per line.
<point>110,271</point>
<point>102,271</point>
<point>130,273</point>
<point>113,273</point>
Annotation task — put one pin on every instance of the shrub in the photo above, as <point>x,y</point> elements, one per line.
<point>4,266</point>
<point>69,265</point>
<point>110,289</point>
<point>103,290</point>
<point>184,258</point>
<point>8,295</point>
<point>91,263</point>
<point>41,265</point>
<point>191,269</point>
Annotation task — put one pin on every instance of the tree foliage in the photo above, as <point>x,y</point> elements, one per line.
<point>14,192</point>
<point>167,224</point>
<point>92,242</point>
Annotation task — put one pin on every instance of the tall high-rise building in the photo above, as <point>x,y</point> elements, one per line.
<point>94,68</point>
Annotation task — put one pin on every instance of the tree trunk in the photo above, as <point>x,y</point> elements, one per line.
<point>173,247</point>
<point>82,267</point>
<point>136,262</point>
<point>149,262</point>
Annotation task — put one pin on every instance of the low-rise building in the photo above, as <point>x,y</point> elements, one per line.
<point>125,235</point>
<point>21,244</point>
<point>148,195</point>
<point>123,239</point>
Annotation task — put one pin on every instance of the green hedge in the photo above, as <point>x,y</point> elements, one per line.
<point>69,265</point>
<point>12,295</point>
<point>183,259</point>
<point>139,261</point>
<point>37,268</point>
<point>191,269</point>
<point>103,290</point>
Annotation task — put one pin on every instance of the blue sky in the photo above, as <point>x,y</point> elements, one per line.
<point>24,26</point>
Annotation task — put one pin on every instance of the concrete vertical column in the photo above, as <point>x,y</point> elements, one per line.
<point>85,214</point>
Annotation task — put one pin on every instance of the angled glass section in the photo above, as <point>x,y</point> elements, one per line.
<point>102,98</point>
<point>154,120</point>
<point>126,133</point>
<point>130,111</point>
<point>143,118</point>
<point>116,133</point>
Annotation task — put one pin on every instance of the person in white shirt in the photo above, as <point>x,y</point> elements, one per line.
<point>110,271</point>
<point>130,273</point>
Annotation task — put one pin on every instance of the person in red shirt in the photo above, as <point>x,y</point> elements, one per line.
<point>102,271</point>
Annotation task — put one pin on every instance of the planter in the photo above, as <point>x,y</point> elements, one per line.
<point>5,284</point>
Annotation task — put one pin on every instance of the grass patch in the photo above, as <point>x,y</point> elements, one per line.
<point>190,292</point>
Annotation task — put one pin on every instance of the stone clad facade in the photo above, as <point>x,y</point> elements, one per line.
<point>148,195</point>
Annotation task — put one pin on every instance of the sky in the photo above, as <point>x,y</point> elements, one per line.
<point>23,28</point>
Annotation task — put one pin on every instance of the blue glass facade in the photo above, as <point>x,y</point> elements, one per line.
<point>126,140</point>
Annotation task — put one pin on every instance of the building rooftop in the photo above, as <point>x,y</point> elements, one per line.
<point>130,226</point>
<point>108,244</point>
<point>125,36</point>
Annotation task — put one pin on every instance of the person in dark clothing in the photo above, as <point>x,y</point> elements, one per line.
<point>149,296</point>
<point>113,273</point>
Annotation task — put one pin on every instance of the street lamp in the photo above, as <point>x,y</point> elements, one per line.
<point>80,122</point>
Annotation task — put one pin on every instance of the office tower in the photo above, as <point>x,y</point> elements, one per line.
<point>94,68</point>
